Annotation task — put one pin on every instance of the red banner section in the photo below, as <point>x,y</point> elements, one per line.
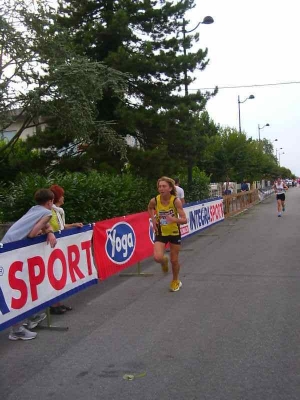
<point>122,242</point>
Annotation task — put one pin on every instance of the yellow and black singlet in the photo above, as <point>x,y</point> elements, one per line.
<point>164,229</point>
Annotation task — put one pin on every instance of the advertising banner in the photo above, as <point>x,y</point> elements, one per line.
<point>122,242</point>
<point>201,215</point>
<point>33,276</point>
<point>263,193</point>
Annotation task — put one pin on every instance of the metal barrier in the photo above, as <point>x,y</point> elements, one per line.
<point>234,203</point>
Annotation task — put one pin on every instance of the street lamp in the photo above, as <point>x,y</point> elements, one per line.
<point>280,148</point>
<point>260,128</point>
<point>279,157</point>
<point>240,102</point>
<point>275,140</point>
<point>206,21</point>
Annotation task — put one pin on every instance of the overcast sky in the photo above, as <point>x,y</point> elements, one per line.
<point>254,42</point>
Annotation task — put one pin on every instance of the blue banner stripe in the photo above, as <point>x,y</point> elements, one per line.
<point>195,203</point>
<point>42,238</point>
<point>3,306</point>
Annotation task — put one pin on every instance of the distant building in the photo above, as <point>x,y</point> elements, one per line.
<point>8,133</point>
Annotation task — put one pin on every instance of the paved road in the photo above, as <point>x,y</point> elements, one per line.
<point>232,332</point>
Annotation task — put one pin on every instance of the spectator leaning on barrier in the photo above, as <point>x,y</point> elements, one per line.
<point>32,224</point>
<point>244,186</point>
<point>179,190</point>
<point>58,223</point>
<point>167,214</point>
<point>228,187</point>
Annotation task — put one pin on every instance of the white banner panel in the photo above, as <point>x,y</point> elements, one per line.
<point>33,276</point>
<point>201,215</point>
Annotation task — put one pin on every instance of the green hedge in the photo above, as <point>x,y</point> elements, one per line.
<point>88,197</point>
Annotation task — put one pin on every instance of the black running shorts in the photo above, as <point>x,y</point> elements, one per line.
<point>280,196</point>
<point>168,239</point>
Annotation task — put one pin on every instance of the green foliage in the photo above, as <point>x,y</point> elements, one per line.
<point>16,159</point>
<point>151,164</point>
<point>88,197</point>
<point>230,154</point>
<point>101,70</point>
<point>200,188</point>
<point>285,173</point>
<point>63,88</point>
<point>17,197</point>
<point>146,40</point>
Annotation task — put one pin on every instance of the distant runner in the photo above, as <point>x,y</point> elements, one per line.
<point>280,187</point>
<point>167,214</point>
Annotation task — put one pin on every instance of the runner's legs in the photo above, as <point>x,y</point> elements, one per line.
<point>159,251</point>
<point>279,205</point>
<point>174,254</point>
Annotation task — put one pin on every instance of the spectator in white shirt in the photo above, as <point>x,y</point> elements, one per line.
<point>179,190</point>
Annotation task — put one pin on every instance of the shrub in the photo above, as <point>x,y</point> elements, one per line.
<point>92,196</point>
<point>88,197</point>
<point>200,186</point>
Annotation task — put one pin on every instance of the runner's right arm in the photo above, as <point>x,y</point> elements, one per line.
<point>152,212</point>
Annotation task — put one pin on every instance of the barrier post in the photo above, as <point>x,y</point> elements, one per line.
<point>138,273</point>
<point>52,327</point>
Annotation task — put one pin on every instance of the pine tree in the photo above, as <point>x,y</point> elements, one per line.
<point>143,38</point>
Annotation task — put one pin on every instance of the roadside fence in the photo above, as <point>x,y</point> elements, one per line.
<point>237,202</point>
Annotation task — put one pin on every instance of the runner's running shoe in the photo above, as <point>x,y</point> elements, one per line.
<point>175,286</point>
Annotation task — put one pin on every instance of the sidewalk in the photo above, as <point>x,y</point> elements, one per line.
<point>230,333</point>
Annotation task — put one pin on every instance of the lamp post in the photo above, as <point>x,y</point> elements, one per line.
<point>280,148</point>
<point>260,128</point>
<point>240,102</point>
<point>206,21</point>
<point>275,140</point>
<point>279,157</point>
